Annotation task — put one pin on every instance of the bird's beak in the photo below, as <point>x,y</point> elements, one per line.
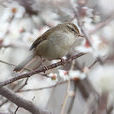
<point>80,35</point>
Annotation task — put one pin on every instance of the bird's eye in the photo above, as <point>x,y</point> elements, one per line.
<point>72,29</point>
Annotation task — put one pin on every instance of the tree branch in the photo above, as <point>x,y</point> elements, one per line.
<point>20,102</point>
<point>43,69</point>
<point>102,24</point>
<point>42,88</point>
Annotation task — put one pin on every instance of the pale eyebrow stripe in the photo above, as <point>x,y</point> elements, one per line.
<point>71,28</point>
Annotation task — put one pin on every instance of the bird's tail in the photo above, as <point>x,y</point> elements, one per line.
<point>24,64</point>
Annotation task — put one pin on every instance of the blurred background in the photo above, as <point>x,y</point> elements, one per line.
<point>84,86</point>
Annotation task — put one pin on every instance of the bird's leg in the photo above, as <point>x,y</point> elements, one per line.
<point>43,60</point>
<point>62,60</point>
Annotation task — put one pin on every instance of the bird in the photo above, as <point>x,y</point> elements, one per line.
<point>53,44</point>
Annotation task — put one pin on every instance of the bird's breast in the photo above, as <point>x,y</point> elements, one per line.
<point>64,40</point>
<point>56,46</point>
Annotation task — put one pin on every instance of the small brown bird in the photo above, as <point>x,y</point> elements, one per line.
<point>54,43</point>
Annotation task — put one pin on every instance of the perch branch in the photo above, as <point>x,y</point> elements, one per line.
<point>43,69</point>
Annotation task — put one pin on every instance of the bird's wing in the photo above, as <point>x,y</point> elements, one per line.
<point>40,39</point>
<point>44,36</point>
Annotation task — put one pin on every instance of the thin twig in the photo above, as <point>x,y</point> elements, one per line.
<point>42,88</point>
<point>93,64</point>
<point>102,24</point>
<point>66,98</point>
<point>73,99</point>
<point>16,110</point>
<point>4,102</point>
<point>7,46</point>
<point>10,64</point>
<point>102,106</point>
<point>1,61</point>
<point>110,109</point>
